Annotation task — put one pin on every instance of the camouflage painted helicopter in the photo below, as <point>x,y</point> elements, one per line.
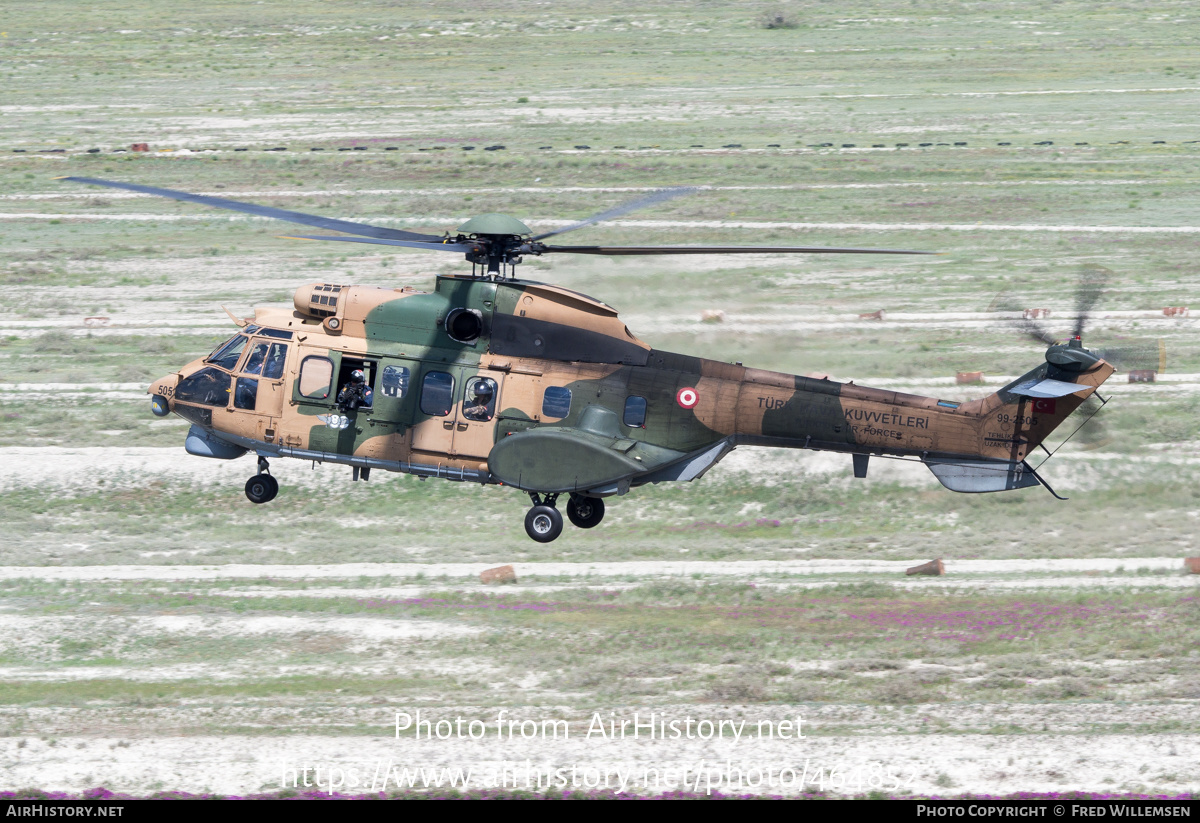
<point>494,379</point>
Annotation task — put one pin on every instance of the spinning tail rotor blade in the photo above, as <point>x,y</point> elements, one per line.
<point>1128,355</point>
<point>1094,433</point>
<point>328,223</point>
<point>1036,330</point>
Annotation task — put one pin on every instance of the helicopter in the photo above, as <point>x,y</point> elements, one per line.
<point>494,379</point>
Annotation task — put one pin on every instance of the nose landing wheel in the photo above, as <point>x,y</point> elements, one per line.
<point>262,487</point>
<point>543,522</point>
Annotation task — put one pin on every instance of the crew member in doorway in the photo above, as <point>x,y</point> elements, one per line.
<point>356,394</point>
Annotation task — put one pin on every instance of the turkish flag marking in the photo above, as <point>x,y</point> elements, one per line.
<point>687,397</point>
<point>1045,406</point>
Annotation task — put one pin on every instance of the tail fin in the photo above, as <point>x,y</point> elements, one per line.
<point>1014,421</point>
<point>1037,403</point>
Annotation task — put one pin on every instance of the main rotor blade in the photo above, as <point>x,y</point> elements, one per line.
<point>617,250</point>
<point>410,244</point>
<point>1092,282</point>
<point>1152,356</point>
<point>660,196</point>
<point>362,229</point>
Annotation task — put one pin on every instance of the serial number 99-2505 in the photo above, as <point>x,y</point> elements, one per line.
<point>1020,420</point>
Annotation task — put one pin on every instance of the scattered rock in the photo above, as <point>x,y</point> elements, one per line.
<point>933,568</point>
<point>500,574</point>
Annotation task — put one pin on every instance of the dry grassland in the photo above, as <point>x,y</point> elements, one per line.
<point>161,632</point>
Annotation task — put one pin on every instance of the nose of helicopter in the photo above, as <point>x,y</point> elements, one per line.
<point>161,391</point>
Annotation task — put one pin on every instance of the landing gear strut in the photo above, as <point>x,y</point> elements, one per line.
<point>585,512</point>
<point>262,487</point>
<point>543,522</point>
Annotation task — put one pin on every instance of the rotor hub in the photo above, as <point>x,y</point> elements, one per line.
<point>1072,356</point>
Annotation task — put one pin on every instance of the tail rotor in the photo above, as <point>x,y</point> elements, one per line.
<point>1069,354</point>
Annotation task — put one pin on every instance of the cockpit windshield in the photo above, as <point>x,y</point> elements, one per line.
<point>226,356</point>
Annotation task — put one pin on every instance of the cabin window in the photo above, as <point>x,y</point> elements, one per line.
<point>227,356</point>
<point>316,377</point>
<point>635,412</point>
<point>437,394</point>
<point>395,381</point>
<point>479,400</point>
<point>277,333</point>
<point>556,402</point>
<point>208,387</point>
<point>245,394</point>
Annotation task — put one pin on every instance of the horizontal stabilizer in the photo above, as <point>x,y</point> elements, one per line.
<point>974,476</point>
<point>1048,388</point>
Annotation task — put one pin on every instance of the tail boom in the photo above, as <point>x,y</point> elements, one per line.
<point>970,447</point>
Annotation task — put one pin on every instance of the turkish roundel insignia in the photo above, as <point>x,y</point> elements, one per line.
<point>1045,406</point>
<point>687,397</point>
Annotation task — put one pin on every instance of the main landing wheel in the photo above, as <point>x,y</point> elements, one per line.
<point>262,488</point>
<point>585,512</point>
<point>543,523</point>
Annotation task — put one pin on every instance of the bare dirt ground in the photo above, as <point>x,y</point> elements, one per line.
<point>846,748</point>
<point>895,763</point>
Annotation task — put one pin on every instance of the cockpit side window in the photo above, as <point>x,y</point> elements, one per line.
<point>254,361</point>
<point>276,357</point>
<point>227,356</point>
<point>266,358</point>
<point>245,393</point>
<point>208,387</point>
